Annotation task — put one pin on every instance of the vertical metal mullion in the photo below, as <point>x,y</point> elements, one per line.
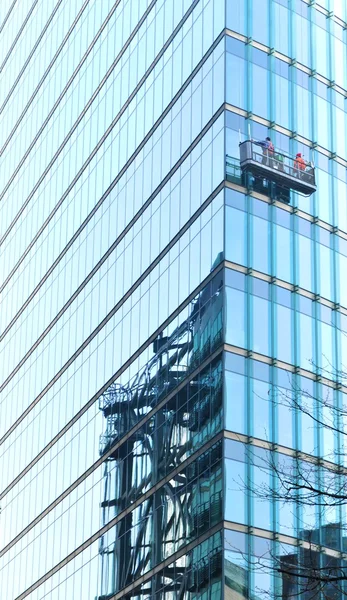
<point>249,74</point>
<point>249,425</point>
<point>314,112</point>
<point>223,489</point>
<point>246,16</point>
<point>273,381</point>
<point>271,65</point>
<point>225,176</point>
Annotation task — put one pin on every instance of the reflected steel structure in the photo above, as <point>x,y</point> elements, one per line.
<point>156,445</point>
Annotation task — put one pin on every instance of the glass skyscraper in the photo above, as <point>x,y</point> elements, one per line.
<point>161,297</point>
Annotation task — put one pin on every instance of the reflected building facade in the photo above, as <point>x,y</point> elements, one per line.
<point>157,304</point>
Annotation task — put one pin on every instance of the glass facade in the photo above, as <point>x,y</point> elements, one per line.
<point>172,332</point>
<point>285,305</point>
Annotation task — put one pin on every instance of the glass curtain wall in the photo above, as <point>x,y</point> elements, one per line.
<point>169,339</point>
<point>112,290</point>
<point>285,296</point>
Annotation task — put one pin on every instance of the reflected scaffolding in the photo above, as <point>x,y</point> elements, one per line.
<point>169,410</point>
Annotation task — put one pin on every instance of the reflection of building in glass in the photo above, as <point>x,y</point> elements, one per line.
<point>173,258</point>
<point>235,581</point>
<point>185,412</point>
<point>309,562</point>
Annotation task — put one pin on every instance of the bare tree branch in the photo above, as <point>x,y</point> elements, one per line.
<point>306,482</point>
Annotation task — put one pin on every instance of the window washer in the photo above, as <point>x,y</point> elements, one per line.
<point>299,164</point>
<point>268,151</point>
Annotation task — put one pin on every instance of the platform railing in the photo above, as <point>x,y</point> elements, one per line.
<point>233,169</point>
<point>281,162</point>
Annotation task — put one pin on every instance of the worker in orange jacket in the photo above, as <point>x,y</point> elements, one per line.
<point>299,162</point>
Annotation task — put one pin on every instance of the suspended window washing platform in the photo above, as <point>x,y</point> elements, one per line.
<point>275,168</point>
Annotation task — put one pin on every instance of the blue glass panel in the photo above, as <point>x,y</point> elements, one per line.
<point>261,325</point>
<point>236,15</point>
<point>260,244</point>
<point>260,21</point>
<point>235,497</point>
<point>235,235</point>
<point>284,333</point>
<point>235,317</point>
<point>235,402</point>
<point>305,263</point>
<point>261,408</point>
